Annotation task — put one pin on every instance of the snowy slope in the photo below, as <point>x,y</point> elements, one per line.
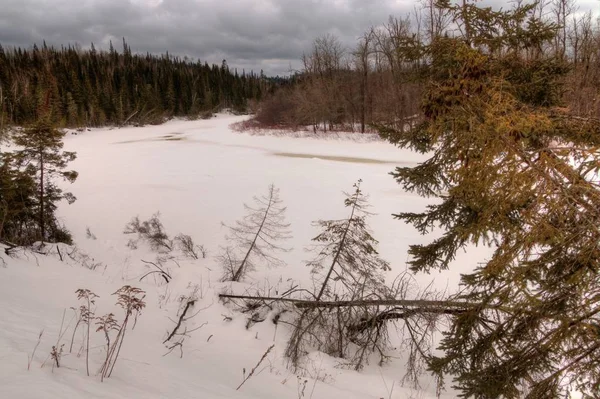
<point>197,174</point>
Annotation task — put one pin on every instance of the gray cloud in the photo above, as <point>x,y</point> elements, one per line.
<point>250,34</point>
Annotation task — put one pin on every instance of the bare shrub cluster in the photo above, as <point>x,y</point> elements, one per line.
<point>131,301</point>
<point>152,231</point>
<point>189,248</point>
<point>183,326</point>
<point>85,317</point>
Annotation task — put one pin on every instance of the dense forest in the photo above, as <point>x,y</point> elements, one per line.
<point>381,79</point>
<point>78,87</point>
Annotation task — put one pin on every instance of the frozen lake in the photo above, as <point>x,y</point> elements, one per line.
<point>198,174</point>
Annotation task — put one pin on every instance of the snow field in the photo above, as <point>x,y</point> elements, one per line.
<point>198,174</point>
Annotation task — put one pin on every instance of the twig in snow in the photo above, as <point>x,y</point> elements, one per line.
<point>34,349</point>
<point>160,271</point>
<point>189,304</point>
<point>264,356</point>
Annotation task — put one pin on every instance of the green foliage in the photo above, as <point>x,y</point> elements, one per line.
<point>514,172</point>
<point>17,202</point>
<point>29,195</point>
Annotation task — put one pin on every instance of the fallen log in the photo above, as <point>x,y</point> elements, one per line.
<point>434,306</point>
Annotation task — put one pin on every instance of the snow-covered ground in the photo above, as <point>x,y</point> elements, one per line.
<point>198,174</point>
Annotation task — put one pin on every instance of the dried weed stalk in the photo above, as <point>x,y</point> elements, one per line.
<point>86,315</point>
<point>131,300</point>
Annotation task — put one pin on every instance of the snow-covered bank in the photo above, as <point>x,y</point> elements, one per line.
<point>197,174</point>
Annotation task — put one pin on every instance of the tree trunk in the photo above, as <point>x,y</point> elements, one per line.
<point>337,254</point>
<point>238,273</point>
<point>42,224</point>
<point>364,88</point>
<point>435,306</point>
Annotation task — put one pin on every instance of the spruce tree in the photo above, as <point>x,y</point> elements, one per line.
<point>346,253</point>
<point>515,172</point>
<point>91,87</point>
<point>347,267</point>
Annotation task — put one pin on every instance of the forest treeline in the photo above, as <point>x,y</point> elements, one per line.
<point>45,89</point>
<point>381,79</point>
<point>76,87</point>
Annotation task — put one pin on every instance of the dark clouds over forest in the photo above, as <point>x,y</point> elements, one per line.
<point>251,34</point>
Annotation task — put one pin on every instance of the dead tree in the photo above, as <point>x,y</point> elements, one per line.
<point>362,61</point>
<point>256,237</point>
<point>348,248</point>
<point>428,306</point>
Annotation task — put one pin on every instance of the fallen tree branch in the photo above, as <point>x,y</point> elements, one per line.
<point>255,367</point>
<point>127,120</point>
<point>9,247</point>
<point>401,314</point>
<point>176,345</point>
<point>406,303</point>
<point>166,276</point>
<point>181,318</point>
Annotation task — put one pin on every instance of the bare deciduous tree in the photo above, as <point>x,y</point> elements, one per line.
<point>363,66</point>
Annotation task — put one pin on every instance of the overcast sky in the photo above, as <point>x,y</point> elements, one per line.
<point>251,34</point>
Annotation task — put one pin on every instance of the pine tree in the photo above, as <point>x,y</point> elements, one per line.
<point>41,156</point>
<point>17,202</point>
<point>96,87</point>
<point>516,173</point>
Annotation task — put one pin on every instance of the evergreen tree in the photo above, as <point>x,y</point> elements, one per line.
<point>516,173</point>
<point>41,157</point>
<point>17,203</point>
<point>92,87</point>
<point>349,269</point>
<point>346,253</point>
